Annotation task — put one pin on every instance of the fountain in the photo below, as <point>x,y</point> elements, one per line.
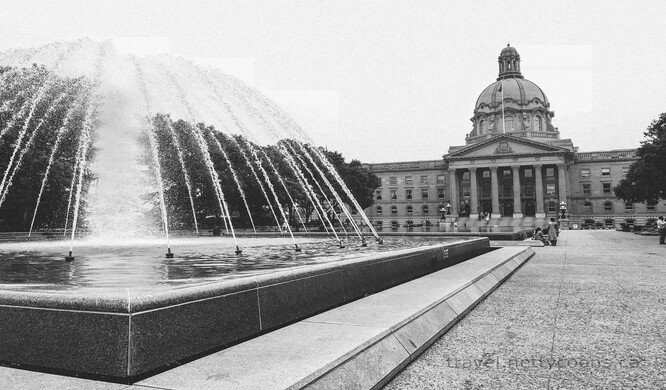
<point>106,158</point>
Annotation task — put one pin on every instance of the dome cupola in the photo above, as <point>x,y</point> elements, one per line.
<point>509,63</point>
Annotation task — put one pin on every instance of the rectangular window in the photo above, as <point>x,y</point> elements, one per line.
<point>408,194</point>
<point>587,188</point>
<point>441,179</point>
<point>650,206</point>
<point>507,190</point>
<point>625,171</point>
<point>485,191</point>
<point>550,172</point>
<point>529,190</point>
<point>394,194</point>
<point>466,191</point>
<point>550,188</point>
<point>440,193</point>
<point>528,172</point>
<point>378,195</point>
<point>506,173</point>
<point>486,174</point>
<point>584,173</point>
<point>424,193</point>
<point>393,180</point>
<point>408,180</point>
<point>424,179</point>
<point>607,188</point>
<point>605,172</point>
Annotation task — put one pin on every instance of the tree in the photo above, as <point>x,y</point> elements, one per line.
<point>29,144</point>
<point>646,179</point>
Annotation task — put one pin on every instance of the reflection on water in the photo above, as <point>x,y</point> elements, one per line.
<point>125,264</point>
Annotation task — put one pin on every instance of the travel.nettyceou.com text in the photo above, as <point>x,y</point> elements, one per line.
<point>489,361</point>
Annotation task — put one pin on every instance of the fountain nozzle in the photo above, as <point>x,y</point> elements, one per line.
<point>341,244</point>
<point>379,240</point>
<point>69,257</point>
<point>169,255</point>
<point>238,251</point>
<point>363,242</point>
<point>297,248</point>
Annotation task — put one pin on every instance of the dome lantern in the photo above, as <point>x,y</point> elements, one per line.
<point>509,63</point>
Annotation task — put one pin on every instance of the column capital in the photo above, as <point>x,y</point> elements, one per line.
<point>493,169</point>
<point>561,166</point>
<point>515,167</point>
<point>472,169</point>
<point>538,166</point>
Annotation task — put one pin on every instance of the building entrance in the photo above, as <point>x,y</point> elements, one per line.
<point>507,208</point>
<point>530,209</point>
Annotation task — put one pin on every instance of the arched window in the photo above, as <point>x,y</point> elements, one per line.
<point>587,207</point>
<point>509,123</point>
<point>424,209</point>
<point>409,209</point>
<point>394,209</point>
<point>608,206</point>
<point>628,207</point>
<point>539,124</point>
<point>482,124</point>
<point>378,210</point>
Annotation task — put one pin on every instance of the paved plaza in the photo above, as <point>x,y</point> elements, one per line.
<point>588,313</point>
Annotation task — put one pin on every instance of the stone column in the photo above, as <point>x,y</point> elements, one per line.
<point>538,183</point>
<point>494,188</point>
<point>474,201</point>
<point>453,187</point>
<point>561,183</point>
<point>517,205</point>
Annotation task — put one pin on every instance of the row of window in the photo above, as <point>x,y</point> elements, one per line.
<point>608,207</point>
<point>409,194</point>
<point>605,188</point>
<point>393,180</point>
<point>508,124</point>
<point>408,209</point>
<point>605,172</point>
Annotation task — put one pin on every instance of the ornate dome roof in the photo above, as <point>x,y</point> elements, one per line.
<point>520,90</point>
<point>512,105</point>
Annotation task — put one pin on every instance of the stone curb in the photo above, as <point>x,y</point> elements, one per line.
<point>415,334</point>
<point>360,345</point>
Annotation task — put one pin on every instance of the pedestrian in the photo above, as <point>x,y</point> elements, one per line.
<point>487,219</point>
<point>538,235</point>
<point>553,231</point>
<point>661,228</point>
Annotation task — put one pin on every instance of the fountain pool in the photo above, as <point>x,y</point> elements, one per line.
<point>119,264</point>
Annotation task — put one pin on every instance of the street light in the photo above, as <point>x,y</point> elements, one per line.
<point>563,209</point>
<point>448,208</point>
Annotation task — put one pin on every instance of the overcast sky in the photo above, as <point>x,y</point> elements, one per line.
<point>391,80</point>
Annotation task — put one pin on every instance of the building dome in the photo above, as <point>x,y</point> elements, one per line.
<point>512,104</point>
<point>518,90</point>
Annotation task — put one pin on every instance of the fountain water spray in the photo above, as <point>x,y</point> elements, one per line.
<point>234,175</point>
<point>61,131</point>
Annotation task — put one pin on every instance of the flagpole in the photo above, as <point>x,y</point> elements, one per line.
<point>502,89</point>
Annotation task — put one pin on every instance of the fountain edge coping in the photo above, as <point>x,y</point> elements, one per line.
<point>126,301</point>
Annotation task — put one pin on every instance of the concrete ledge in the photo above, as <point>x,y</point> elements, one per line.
<point>128,335</point>
<point>359,345</point>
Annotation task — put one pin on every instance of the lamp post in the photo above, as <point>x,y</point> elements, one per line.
<point>563,209</point>
<point>448,208</point>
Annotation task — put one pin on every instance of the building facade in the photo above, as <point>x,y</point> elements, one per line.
<point>514,165</point>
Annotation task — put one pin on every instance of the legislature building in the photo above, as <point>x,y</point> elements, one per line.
<point>514,166</point>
